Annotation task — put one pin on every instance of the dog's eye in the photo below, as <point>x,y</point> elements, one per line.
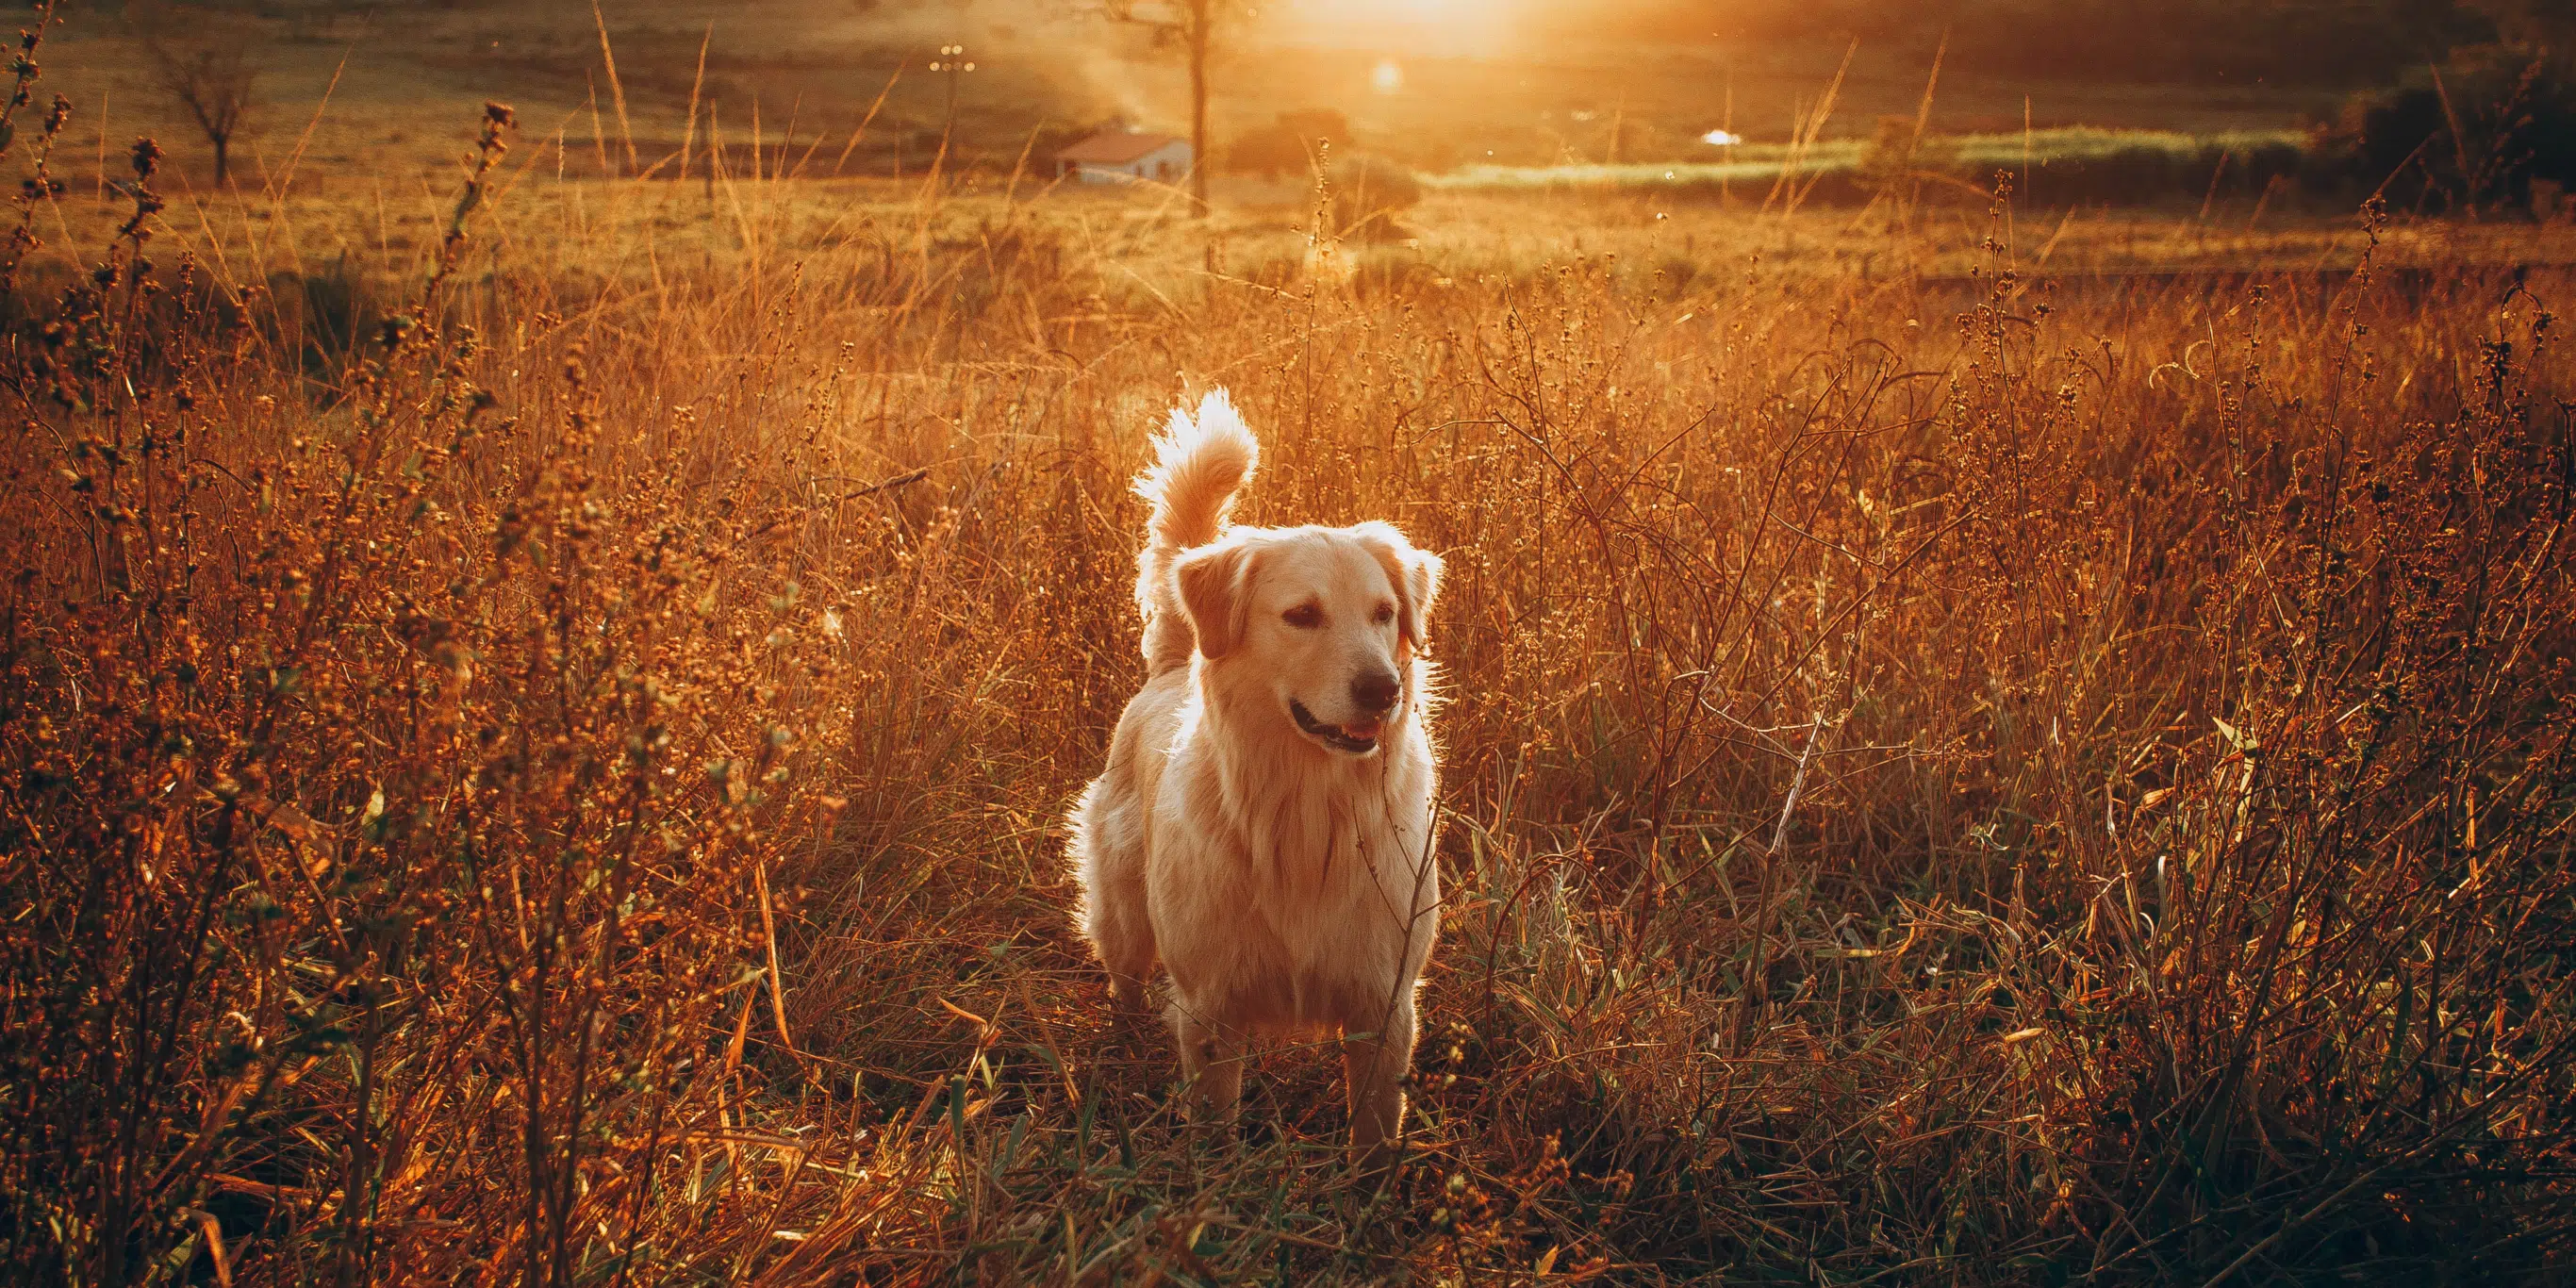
<point>1304,617</point>
<point>1385,614</point>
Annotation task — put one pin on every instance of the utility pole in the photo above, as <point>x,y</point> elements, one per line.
<point>1191,24</point>
<point>1202,16</point>
<point>951,63</point>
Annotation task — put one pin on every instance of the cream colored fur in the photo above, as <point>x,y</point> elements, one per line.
<point>1282,875</point>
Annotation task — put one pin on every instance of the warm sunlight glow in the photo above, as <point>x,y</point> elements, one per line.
<point>1388,77</point>
<point>1441,28</point>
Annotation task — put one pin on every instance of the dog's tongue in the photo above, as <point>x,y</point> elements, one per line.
<point>1362,730</point>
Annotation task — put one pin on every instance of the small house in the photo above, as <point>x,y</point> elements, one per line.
<point>1125,156</point>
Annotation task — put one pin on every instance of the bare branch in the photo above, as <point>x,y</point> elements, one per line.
<point>207,66</point>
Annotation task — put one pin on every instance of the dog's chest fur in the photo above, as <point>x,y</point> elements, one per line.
<point>1317,877</point>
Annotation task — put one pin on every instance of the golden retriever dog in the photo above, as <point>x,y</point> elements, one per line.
<point>1263,826</point>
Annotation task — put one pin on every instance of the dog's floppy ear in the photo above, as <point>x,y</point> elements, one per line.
<point>1416,574</point>
<point>1215,582</point>
<point>1422,580</point>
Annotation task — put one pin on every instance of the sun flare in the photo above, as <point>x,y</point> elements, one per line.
<point>1442,28</point>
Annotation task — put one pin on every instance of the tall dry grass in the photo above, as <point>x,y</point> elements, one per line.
<point>553,777</point>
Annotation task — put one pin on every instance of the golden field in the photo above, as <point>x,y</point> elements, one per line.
<point>1981,744</point>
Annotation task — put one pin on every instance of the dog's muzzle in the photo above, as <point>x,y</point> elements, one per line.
<point>1357,739</point>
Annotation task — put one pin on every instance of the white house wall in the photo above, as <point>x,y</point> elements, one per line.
<point>1175,155</point>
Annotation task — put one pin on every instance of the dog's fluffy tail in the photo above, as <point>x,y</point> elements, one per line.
<point>1199,464</point>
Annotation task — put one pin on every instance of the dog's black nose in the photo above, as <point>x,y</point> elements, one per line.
<point>1376,693</point>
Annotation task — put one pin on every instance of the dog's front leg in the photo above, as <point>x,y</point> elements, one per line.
<point>1212,1063</point>
<point>1375,1064</point>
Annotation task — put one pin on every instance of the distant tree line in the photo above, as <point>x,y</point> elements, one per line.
<point>2491,129</point>
<point>2454,106</point>
<point>2349,43</point>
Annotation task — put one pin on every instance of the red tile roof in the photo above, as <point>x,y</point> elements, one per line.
<point>1114,147</point>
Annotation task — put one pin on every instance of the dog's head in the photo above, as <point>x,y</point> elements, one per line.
<point>1327,620</point>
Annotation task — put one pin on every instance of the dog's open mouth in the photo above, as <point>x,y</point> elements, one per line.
<point>1357,739</point>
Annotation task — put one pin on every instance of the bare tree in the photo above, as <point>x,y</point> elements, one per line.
<point>1192,25</point>
<point>207,67</point>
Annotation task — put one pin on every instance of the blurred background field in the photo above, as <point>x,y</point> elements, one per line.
<point>1512,131</point>
<point>1440,86</point>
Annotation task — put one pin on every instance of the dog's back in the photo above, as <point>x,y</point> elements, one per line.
<point>1199,464</point>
